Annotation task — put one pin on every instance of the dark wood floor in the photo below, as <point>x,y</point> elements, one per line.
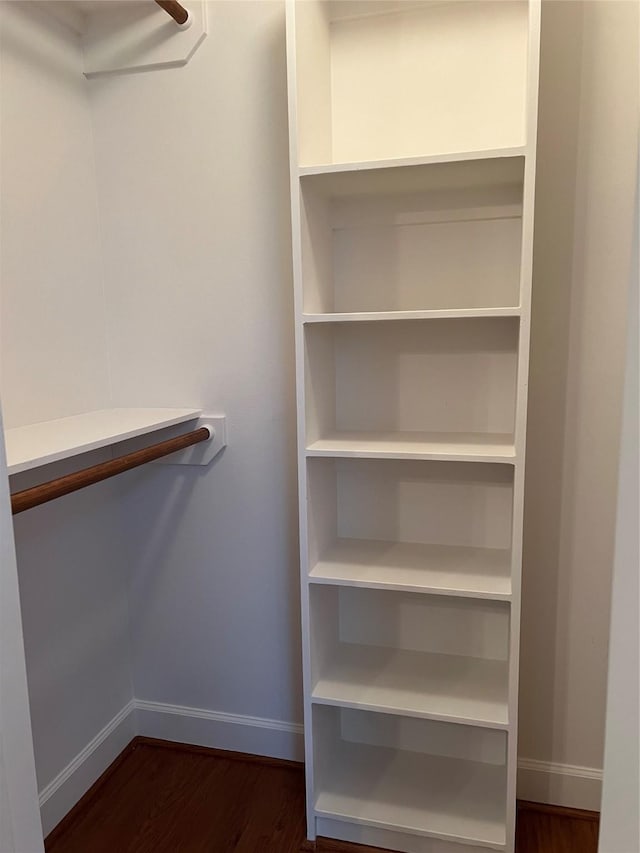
<point>160,798</point>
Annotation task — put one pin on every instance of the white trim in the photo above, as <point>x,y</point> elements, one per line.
<point>541,781</point>
<point>221,730</point>
<point>73,781</point>
<point>219,716</point>
<point>566,785</point>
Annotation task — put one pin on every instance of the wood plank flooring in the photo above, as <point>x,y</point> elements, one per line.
<point>167,798</point>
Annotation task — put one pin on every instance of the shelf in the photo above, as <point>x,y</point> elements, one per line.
<point>451,688</point>
<point>432,314</point>
<point>441,797</point>
<point>472,447</point>
<point>388,239</point>
<point>419,389</point>
<point>420,656</point>
<point>50,441</point>
<point>498,176</point>
<point>418,526</point>
<point>400,162</point>
<point>437,569</point>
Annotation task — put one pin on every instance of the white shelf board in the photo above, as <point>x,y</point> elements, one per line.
<point>414,567</point>
<point>50,441</point>
<point>480,447</point>
<point>399,162</point>
<point>451,688</point>
<point>426,314</point>
<point>446,798</point>
<point>422,175</point>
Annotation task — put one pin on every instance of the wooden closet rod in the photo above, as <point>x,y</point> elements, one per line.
<point>28,498</point>
<point>173,8</point>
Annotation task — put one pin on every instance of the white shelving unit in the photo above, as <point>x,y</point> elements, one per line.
<point>439,569</point>
<point>412,140</point>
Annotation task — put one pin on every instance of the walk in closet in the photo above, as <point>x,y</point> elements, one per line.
<point>296,238</point>
<point>412,143</point>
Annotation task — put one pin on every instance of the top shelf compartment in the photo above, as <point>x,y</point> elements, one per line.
<point>383,80</point>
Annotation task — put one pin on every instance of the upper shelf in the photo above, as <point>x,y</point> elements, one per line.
<point>402,162</point>
<point>407,444</point>
<point>462,172</point>
<point>380,80</point>
<point>50,441</point>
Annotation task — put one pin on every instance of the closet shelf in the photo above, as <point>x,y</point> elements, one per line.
<point>459,571</point>
<point>499,173</point>
<point>428,795</point>
<point>449,688</point>
<point>50,441</point>
<point>427,314</point>
<point>448,447</point>
<point>399,162</point>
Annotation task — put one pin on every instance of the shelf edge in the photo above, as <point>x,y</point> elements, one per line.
<point>399,162</point>
<point>99,443</point>
<point>325,580</point>
<point>418,314</point>
<point>398,711</point>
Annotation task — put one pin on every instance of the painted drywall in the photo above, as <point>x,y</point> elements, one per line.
<point>588,137</point>
<point>54,362</point>
<point>20,828</point>
<point>192,169</point>
<point>53,356</point>
<point>620,825</point>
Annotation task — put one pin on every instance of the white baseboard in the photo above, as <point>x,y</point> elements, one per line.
<point>559,784</point>
<point>63,792</point>
<point>540,781</point>
<point>254,735</point>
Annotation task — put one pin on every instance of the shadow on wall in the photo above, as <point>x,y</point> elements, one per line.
<point>559,104</point>
<point>586,154</point>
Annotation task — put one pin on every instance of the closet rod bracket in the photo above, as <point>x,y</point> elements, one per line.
<point>204,453</point>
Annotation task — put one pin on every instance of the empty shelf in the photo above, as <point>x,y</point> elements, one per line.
<point>452,688</point>
<point>50,441</point>
<point>482,447</point>
<point>430,160</point>
<point>428,795</point>
<point>416,314</point>
<point>441,569</point>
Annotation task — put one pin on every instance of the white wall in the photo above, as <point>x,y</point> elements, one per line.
<point>53,357</point>
<point>587,152</point>
<point>192,169</point>
<point>620,826</point>
<point>54,363</point>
